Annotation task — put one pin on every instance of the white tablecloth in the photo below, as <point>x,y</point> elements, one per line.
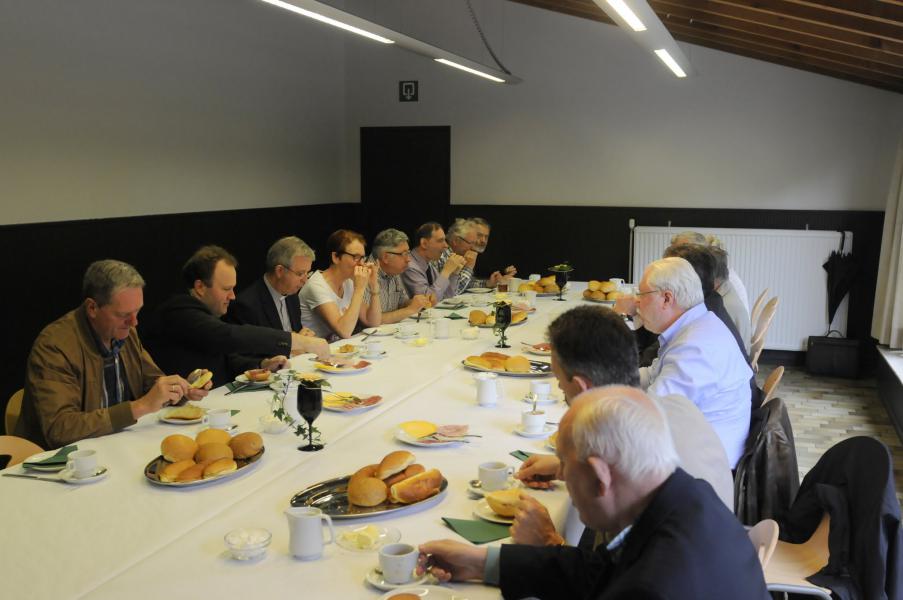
<point>124,537</point>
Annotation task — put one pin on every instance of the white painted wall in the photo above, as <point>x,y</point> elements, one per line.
<point>599,122</point>
<point>134,107</point>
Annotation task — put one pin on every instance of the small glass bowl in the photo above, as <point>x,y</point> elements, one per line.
<point>248,544</point>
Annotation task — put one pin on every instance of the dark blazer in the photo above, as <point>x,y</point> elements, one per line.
<point>255,306</point>
<point>686,544</point>
<point>184,335</point>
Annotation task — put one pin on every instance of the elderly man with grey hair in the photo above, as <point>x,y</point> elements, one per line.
<point>698,356</point>
<point>392,253</point>
<point>272,300</point>
<point>671,537</point>
<point>88,373</point>
<point>735,283</point>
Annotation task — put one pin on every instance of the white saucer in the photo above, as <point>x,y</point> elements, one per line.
<point>512,483</point>
<point>380,331</point>
<point>550,399</point>
<point>547,430</point>
<point>426,592</point>
<point>376,580</point>
<point>482,510</point>
<point>67,476</point>
<point>407,337</point>
<point>380,355</point>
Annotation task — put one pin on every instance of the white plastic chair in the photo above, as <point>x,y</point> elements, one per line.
<point>790,564</point>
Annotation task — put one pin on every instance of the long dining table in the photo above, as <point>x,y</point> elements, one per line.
<point>125,537</point>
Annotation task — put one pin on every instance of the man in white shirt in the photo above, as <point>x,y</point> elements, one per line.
<point>698,357</point>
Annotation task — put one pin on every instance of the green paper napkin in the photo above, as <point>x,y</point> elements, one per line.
<point>60,458</point>
<point>254,387</point>
<point>234,412</point>
<point>477,532</point>
<point>455,316</point>
<point>521,455</point>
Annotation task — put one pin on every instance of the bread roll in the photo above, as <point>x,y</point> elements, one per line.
<point>178,447</point>
<point>599,295</point>
<point>368,471</point>
<point>613,295</point>
<point>170,472</point>
<point>478,361</point>
<point>477,317</point>
<point>394,462</point>
<point>412,470</point>
<point>210,436</point>
<point>189,412</point>
<point>547,280</point>
<point>366,491</point>
<point>416,488</point>
<point>504,502</point>
<point>517,364</point>
<point>517,317</point>
<point>212,452</point>
<point>588,293</point>
<point>246,445</point>
<point>593,285</point>
<point>525,287</point>
<point>608,286</point>
<point>191,473</point>
<point>405,596</point>
<point>495,356</point>
<point>551,288</point>
<point>490,320</point>
<point>220,467</point>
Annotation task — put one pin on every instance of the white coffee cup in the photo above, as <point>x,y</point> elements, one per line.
<point>514,283</point>
<point>374,348</point>
<point>82,463</point>
<point>541,388</point>
<point>618,282</point>
<point>440,328</point>
<point>407,329</point>
<point>470,333</point>
<point>397,562</point>
<point>533,422</point>
<point>305,528</point>
<point>489,388</point>
<point>218,418</point>
<point>494,476</point>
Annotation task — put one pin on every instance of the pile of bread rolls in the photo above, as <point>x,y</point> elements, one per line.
<point>397,478</point>
<point>211,454</point>
<point>496,361</point>
<point>545,285</point>
<point>478,317</point>
<point>601,290</point>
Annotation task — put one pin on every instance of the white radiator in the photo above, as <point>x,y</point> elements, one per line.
<point>787,262</point>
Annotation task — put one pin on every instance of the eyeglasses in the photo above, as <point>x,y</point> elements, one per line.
<point>468,242</point>
<point>290,270</point>
<point>405,254</point>
<point>649,292</point>
<point>354,257</point>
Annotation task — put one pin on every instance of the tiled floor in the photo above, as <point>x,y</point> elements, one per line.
<point>826,410</point>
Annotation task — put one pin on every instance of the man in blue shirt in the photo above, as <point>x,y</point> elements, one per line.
<point>698,356</point>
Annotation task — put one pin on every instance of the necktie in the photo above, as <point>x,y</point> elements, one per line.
<point>429,275</point>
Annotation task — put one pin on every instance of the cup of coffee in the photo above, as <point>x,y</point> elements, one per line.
<point>407,329</point>
<point>489,388</point>
<point>397,562</point>
<point>533,421</point>
<point>494,476</point>
<point>440,328</point>
<point>82,463</point>
<point>542,389</point>
<point>373,349</point>
<point>218,418</point>
<point>305,529</point>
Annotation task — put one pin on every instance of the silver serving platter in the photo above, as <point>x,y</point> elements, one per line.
<point>484,326</point>
<point>244,465</point>
<point>537,369</point>
<point>331,496</point>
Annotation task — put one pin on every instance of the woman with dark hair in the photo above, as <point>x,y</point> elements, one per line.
<point>332,301</point>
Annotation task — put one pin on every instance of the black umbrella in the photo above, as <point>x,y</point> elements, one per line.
<point>842,272</point>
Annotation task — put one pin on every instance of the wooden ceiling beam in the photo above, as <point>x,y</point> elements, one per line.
<point>666,8</point>
<point>887,12</point>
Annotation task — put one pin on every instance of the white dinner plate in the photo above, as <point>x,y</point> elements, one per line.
<point>339,370</point>
<point>384,535</point>
<point>608,303</point>
<point>164,417</point>
<point>375,578</point>
<point>242,378</point>
<point>43,468</point>
<point>430,592</point>
<point>479,290</point>
<point>347,403</point>
<point>403,436</point>
<point>481,509</point>
<point>379,331</point>
<point>547,430</point>
<point>69,477</point>
<point>349,354</point>
<point>534,350</point>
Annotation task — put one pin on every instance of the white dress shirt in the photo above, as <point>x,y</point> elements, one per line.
<point>700,360</point>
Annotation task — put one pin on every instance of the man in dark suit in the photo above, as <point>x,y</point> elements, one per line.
<point>272,300</point>
<point>671,535</point>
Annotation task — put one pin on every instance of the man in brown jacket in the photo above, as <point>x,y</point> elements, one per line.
<point>88,374</point>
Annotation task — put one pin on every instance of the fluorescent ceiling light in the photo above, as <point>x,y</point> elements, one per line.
<point>627,14</point>
<point>672,64</point>
<point>328,21</point>
<point>325,13</point>
<point>469,70</point>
